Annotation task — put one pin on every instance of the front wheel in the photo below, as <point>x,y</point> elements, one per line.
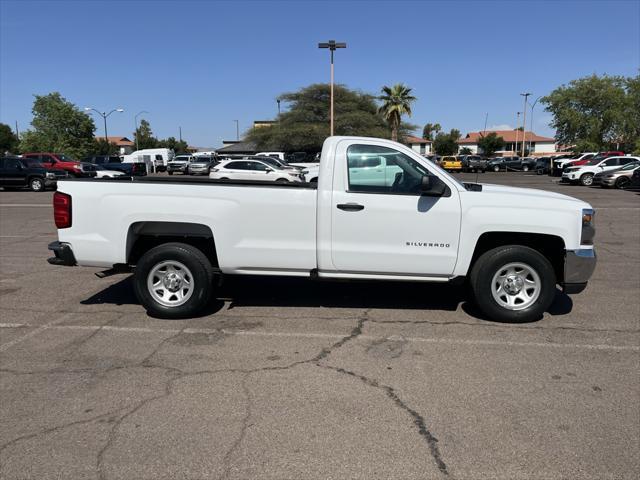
<point>496,168</point>
<point>587,179</point>
<point>513,283</point>
<point>173,280</point>
<point>623,182</point>
<point>36,184</point>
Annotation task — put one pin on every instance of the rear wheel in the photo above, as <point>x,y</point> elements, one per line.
<point>36,184</point>
<point>587,179</point>
<point>174,280</point>
<point>513,283</point>
<point>496,168</point>
<point>525,168</point>
<point>282,180</point>
<point>623,182</point>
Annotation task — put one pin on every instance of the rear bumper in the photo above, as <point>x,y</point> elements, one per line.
<point>63,254</point>
<point>578,268</point>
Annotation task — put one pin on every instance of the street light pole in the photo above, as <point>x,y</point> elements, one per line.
<point>531,121</point>
<point>524,121</point>
<point>135,120</point>
<point>278,100</point>
<point>515,148</point>
<point>104,117</point>
<point>332,45</point>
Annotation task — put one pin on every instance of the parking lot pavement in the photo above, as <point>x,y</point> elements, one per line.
<point>285,378</point>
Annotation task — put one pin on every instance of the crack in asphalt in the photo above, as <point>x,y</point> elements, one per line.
<point>178,374</point>
<point>243,431</point>
<point>418,420</point>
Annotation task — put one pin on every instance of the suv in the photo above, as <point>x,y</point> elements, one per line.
<point>504,163</point>
<point>114,162</point>
<point>179,164</point>
<point>60,161</point>
<point>585,173</point>
<point>585,159</point>
<point>22,172</point>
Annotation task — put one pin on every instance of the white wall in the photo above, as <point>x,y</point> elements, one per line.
<point>471,146</point>
<point>544,147</point>
<point>416,148</point>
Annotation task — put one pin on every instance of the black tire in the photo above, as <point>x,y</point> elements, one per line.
<point>282,180</point>
<point>314,180</point>
<point>36,184</point>
<point>491,263</point>
<point>623,182</point>
<point>224,178</point>
<point>201,277</point>
<point>586,179</point>
<point>496,168</point>
<point>170,173</point>
<point>525,168</point>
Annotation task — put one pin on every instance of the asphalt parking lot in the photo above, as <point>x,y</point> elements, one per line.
<point>292,379</point>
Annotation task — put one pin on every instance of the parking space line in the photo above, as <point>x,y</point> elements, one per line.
<point>5,346</point>
<point>449,341</point>
<point>26,205</point>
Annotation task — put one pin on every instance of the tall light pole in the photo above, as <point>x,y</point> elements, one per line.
<point>515,148</point>
<point>332,45</point>
<point>237,130</point>
<point>104,117</point>
<point>135,121</point>
<point>278,100</point>
<point>531,121</point>
<point>524,121</point>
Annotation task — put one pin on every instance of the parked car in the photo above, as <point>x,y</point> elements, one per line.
<point>155,158</point>
<point>451,163</point>
<point>59,161</point>
<point>543,165</point>
<point>512,245</point>
<point>311,173</point>
<point>528,163</point>
<point>561,161</point>
<point>585,159</point>
<point>103,172</point>
<point>504,163</point>
<point>474,163</point>
<point>253,170</point>
<point>18,172</point>
<point>179,164</point>
<point>114,162</point>
<point>635,178</point>
<point>585,173</point>
<point>201,165</point>
<point>275,162</point>
<point>278,155</point>
<point>620,178</point>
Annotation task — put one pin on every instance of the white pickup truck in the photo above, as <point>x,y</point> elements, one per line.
<point>414,223</point>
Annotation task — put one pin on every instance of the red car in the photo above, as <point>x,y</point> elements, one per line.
<point>60,161</point>
<point>599,156</point>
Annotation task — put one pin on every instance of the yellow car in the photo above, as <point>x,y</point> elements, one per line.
<point>451,163</point>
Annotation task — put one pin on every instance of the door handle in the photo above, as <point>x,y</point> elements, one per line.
<point>350,207</point>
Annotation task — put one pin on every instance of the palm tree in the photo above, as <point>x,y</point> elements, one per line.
<point>396,102</point>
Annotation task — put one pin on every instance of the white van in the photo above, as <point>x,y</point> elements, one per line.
<point>155,158</point>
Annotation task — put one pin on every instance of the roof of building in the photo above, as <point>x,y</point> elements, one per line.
<point>507,135</point>
<point>412,139</point>
<point>238,147</point>
<point>119,141</point>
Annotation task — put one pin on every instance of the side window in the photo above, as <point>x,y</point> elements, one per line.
<point>98,160</point>
<point>12,164</point>
<point>236,166</point>
<point>2,163</point>
<point>611,162</point>
<point>625,160</point>
<point>261,167</point>
<point>377,169</point>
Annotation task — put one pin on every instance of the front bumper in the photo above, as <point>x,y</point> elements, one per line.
<point>578,268</point>
<point>63,254</point>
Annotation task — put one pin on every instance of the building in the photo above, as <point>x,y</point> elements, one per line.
<point>237,147</point>
<point>125,146</point>
<point>417,144</point>
<point>535,143</point>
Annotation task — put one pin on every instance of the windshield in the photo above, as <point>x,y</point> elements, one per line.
<point>595,161</point>
<point>271,161</point>
<point>32,162</point>
<point>65,158</point>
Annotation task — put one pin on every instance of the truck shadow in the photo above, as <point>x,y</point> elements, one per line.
<point>247,291</point>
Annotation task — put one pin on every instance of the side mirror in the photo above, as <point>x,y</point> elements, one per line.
<point>432,186</point>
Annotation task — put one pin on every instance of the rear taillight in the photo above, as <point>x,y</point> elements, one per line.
<point>62,209</point>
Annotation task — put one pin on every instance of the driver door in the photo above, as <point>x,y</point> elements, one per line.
<point>383,225</point>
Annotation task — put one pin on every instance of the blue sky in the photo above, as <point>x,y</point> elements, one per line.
<point>200,65</point>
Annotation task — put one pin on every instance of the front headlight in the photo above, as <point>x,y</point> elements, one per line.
<point>588,226</point>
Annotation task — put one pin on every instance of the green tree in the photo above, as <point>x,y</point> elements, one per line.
<point>445,144</point>
<point>305,124</point>
<point>102,147</point>
<point>59,126</point>
<point>455,134</point>
<point>597,112</point>
<point>465,151</point>
<point>143,136</point>
<point>8,140</point>
<point>431,129</point>
<point>178,146</point>
<point>490,143</point>
<point>396,102</point>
